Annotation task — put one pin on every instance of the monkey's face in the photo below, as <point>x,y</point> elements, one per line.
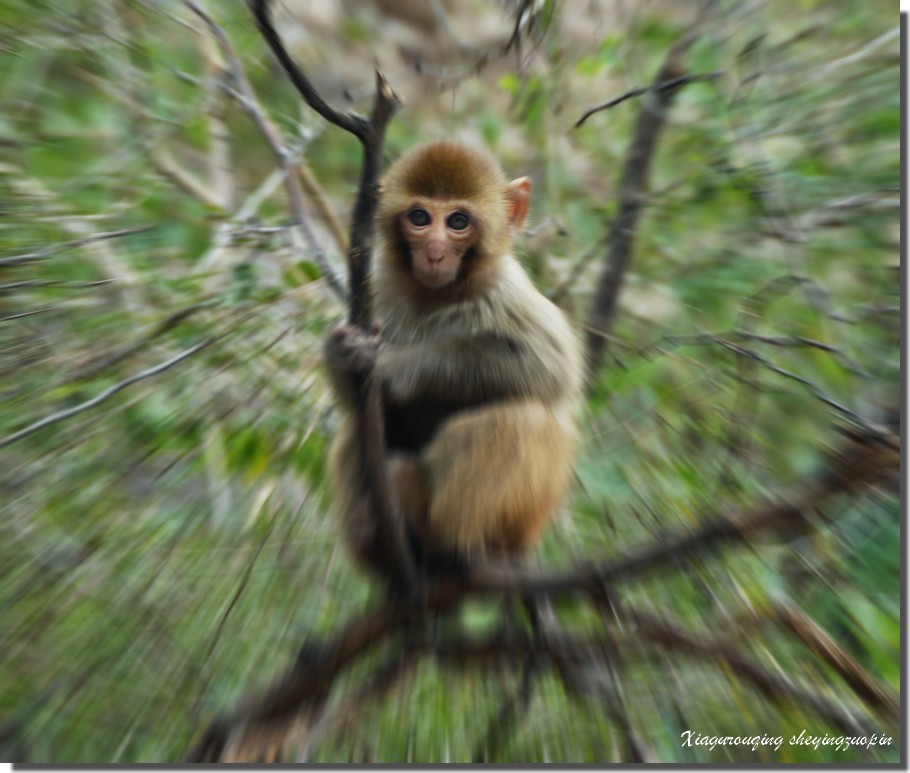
<point>438,235</point>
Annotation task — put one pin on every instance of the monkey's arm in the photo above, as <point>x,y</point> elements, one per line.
<point>473,370</point>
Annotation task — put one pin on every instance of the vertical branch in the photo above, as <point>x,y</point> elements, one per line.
<point>398,562</point>
<point>632,195</point>
<point>360,249</point>
<point>219,160</point>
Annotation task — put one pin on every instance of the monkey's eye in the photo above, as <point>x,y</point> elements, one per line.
<point>458,221</point>
<point>419,217</point>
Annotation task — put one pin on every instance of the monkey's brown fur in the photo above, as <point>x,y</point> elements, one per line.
<point>481,378</point>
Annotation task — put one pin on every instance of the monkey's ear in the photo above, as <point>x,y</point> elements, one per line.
<point>519,194</point>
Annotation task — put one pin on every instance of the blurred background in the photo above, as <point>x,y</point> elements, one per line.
<point>164,418</point>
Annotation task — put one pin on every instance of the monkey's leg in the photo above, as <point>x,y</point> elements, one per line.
<point>410,487</point>
<point>352,499</point>
<point>413,500</point>
<point>495,475</point>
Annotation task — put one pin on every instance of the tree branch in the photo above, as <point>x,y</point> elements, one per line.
<point>865,459</point>
<point>350,122</point>
<point>777,689</point>
<point>675,83</point>
<point>303,692</point>
<point>858,678</point>
<point>246,97</point>
<point>395,554</point>
<point>67,413</point>
<point>54,249</point>
<point>512,710</point>
<point>632,196</point>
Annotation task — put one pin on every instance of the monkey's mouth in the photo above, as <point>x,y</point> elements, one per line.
<point>434,279</point>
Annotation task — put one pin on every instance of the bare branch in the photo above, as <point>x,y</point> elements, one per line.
<point>107,360</point>
<point>384,678</point>
<point>632,196</point>
<point>398,562</point>
<point>164,162</point>
<point>112,264</point>
<point>785,341</point>
<point>309,682</point>
<point>508,715</point>
<point>67,413</point>
<point>860,680</point>
<point>864,460</point>
<point>873,45</point>
<point>62,284</point>
<point>813,389</point>
<point>317,194</point>
<point>778,689</point>
<point>352,123</point>
<point>220,158</point>
<point>664,86</point>
<point>55,249</point>
<point>24,314</point>
<point>246,97</point>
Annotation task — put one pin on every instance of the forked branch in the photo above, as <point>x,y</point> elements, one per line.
<point>398,563</point>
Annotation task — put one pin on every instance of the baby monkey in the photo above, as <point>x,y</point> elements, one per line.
<point>481,375</point>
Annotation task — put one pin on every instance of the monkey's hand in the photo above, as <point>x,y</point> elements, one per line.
<point>350,355</point>
<point>351,351</point>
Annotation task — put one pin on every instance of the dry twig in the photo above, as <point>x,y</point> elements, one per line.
<point>669,85</point>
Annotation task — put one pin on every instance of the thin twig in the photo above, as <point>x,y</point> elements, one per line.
<point>171,169</point>
<point>777,689</point>
<point>247,99</point>
<point>674,83</point>
<point>59,284</point>
<point>867,49</point>
<point>812,388</point>
<point>219,159</point>
<point>317,194</point>
<point>127,83</point>
<point>784,341</point>
<point>859,679</point>
<point>67,413</point>
<point>351,122</point>
<point>509,713</point>
<point>48,252</point>
<point>92,368</point>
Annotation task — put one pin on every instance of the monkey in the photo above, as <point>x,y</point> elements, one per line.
<point>480,374</point>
